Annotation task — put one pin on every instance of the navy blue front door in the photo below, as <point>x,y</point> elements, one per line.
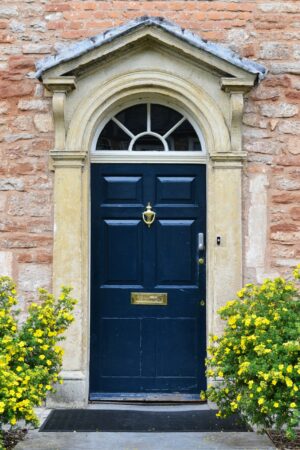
<point>136,349</point>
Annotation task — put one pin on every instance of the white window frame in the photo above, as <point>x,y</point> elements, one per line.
<point>135,156</point>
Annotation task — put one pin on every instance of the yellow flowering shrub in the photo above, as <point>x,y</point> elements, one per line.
<point>30,359</point>
<point>255,363</point>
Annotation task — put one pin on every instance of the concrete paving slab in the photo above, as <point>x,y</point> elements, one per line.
<point>145,441</point>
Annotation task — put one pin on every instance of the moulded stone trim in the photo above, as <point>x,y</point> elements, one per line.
<point>95,105</point>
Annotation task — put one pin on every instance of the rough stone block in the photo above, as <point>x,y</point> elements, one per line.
<point>284,183</point>
<point>274,50</point>
<point>6,12</point>
<point>36,49</point>
<point>290,127</point>
<point>34,204</point>
<point>23,123</point>
<point>31,105</point>
<point>43,122</point>
<point>6,264</point>
<point>279,110</point>
<point>285,67</point>
<point>16,26</point>
<point>11,184</point>
<point>295,213</point>
<point>33,276</point>
<point>18,137</point>
<point>4,106</point>
<point>3,198</point>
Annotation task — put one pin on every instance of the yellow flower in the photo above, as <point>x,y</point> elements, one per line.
<point>293,405</point>
<point>220,373</point>
<point>42,357</point>
<point>261,400</point>
<point>48,387</point>
<point>250,384</point>
<point>2,407</point>
<point>13,421</point>
<point>274,382</point>
<point>38,333</point>
<point>281,367</point>
<point>233,405</point>
<point>289,369</point>
<point>288,382</point>
<point>49,363</point>
<point>19,369</point>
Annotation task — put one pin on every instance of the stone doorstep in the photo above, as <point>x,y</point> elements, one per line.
<point>145,441</point>
<point>142,441</point>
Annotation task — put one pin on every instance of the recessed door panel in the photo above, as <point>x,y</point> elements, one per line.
<point>122,189</point>
<point>148,347</point>
<point>119,347</point>
<point>122,251</point>
<point>177,337</point>
<point>175,256</point>
<point>175,190</point>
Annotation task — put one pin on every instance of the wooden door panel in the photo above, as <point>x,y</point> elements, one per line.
<point>175,190</point>
<point>122,189</point>
<point>122,252</point>
<point>176,263</point>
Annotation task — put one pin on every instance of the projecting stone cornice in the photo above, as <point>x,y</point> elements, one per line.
<point>80,55</point>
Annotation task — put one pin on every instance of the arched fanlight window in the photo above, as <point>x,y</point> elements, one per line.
<point>149,127</point>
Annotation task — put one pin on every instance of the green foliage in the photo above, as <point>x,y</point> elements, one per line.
<point>30,360</point>
<point>255,363</point>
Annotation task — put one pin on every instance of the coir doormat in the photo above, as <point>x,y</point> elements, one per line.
<point>86,420</point>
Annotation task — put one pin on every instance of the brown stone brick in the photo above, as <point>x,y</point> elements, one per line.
<point>9,89</point>
<point>284,227</point>
<point>295,213</point>
<point>6,38</point>
<point>53,7</point>
<point>21,63</point>
<point>286,197</point>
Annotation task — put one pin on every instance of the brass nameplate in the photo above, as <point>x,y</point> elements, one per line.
<point>149,298</point>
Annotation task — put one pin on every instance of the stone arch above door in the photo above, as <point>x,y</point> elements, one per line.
<point>146,57</point>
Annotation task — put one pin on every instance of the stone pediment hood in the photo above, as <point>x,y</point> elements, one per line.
<point>76,58</point>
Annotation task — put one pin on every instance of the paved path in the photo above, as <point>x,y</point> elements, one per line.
<point>143,441</point>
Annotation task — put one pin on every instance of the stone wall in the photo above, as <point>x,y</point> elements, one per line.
<point>266,31</point>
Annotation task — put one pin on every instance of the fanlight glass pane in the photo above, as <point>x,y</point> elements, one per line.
<point>130,125</point>
<point>184,138</point>
<point>148,143</point>
<point>163,118</point>
<point>134,118</point>
<point>113,138</point>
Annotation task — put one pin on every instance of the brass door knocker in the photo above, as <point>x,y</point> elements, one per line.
<point>148,215</point>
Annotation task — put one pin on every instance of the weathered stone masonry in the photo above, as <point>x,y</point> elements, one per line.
<point>266,31</point>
